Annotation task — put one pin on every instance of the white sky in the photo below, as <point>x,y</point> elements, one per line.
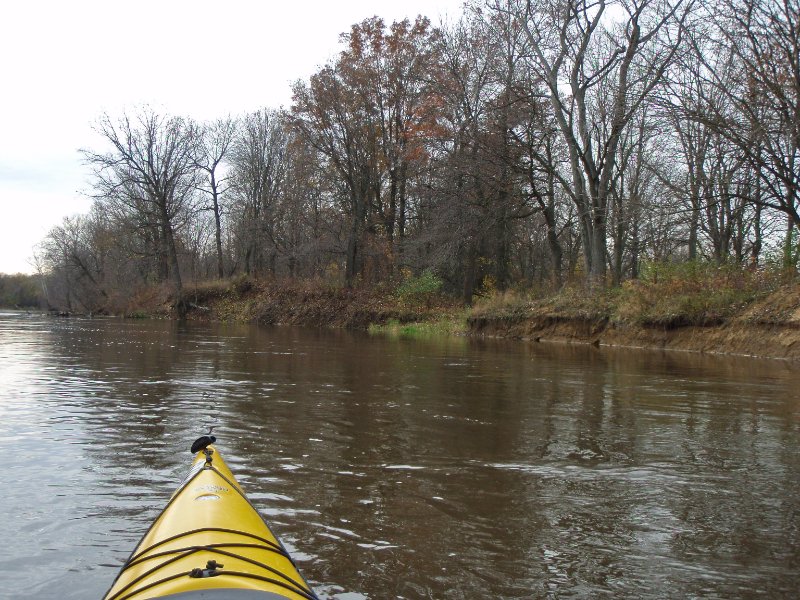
<point>66,62</point>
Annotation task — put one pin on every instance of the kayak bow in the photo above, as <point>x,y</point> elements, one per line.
<point>209,542</point>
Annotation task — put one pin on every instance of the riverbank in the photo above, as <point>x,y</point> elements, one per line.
<point>295,302</point>
<point>722,312</point>
<point>762,330</point>
<point>715,315</point>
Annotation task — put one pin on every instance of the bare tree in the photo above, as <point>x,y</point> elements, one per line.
<point>258,171</point>
<point>214,143</point>
<point>539,165</point>
<point>629,195</point>
<point>149,174</point>
<point>598,68</point>
<point>754,63</point>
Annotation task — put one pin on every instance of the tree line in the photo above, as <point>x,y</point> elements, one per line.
<point>19,291</point>
<point>526,144</point>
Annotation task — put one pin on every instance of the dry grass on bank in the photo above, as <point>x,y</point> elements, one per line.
<point>313,303</point>
<point>665,295</point>
<point>692,294</point>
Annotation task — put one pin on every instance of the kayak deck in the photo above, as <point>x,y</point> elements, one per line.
<point>211,543</point>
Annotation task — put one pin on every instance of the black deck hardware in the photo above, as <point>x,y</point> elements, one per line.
<point>209,571</point>
<point>202,442</point>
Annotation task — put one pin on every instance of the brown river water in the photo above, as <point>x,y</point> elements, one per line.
<point>449,468</point>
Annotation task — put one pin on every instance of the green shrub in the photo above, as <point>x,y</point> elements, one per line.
<point>442,326</point>
<point>418,288</point>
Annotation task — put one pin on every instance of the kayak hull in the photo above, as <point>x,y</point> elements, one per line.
<point>223,594</point>
<point>210,543</point>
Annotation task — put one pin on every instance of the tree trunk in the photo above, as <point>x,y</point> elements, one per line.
<point>469,274</point>
<point>635,249</point>
<point>755,250</point>
<point>694,226</point>
<point>352,255</point>
<point>218,232</point>
<point>597,271</point>
<point>352,268</point>
<point>788,245</point>
<point>172,252</point>
<point>502,244</point>
<point>556,257</point>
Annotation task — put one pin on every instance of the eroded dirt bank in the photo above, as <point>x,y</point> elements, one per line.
<point>767,328</point>
<point>773,341</point>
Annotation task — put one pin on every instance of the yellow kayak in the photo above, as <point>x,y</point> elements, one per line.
<point>209,542</point>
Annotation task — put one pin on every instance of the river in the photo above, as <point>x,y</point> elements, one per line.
<point>449,468</point>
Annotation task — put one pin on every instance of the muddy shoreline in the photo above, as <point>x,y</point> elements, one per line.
<point>766,328</point>
<point>733,338</point>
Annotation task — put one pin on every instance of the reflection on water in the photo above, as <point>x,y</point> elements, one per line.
<point>405,469</point>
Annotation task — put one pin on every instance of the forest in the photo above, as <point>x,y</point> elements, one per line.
<point>527,145</point>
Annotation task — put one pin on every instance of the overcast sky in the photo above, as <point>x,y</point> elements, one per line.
<point>66,62</point>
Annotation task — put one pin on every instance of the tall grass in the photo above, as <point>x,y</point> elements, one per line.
<point>691,293</point>
<point>665,295</point>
